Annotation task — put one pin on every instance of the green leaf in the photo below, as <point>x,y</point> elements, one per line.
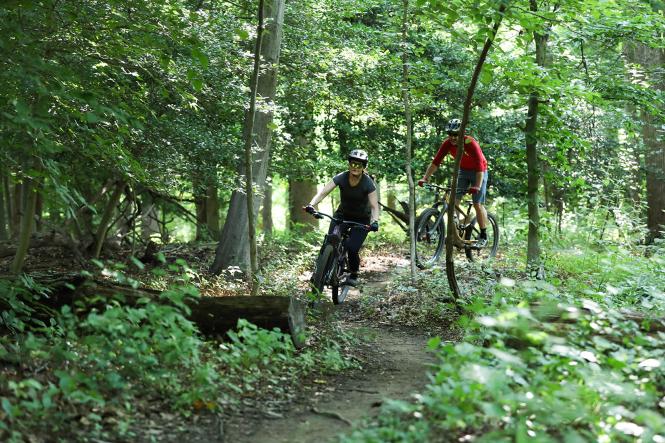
<point>241,33</point>
<point>201,57</point>
<point>433,343</point>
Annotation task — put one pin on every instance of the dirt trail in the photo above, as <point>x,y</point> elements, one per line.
<point>395,367</point>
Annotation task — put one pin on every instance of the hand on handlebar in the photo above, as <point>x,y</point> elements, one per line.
<point>473,190</point>
<point>421,182</point>
<point>309,209</point>
<point>374,226</point>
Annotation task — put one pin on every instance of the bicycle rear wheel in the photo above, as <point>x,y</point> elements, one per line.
<point>472,233</point>
<point>429,238</point>
<point>322,268</point>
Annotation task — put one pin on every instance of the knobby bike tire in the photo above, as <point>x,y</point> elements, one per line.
<point>431,242</point>
<point>323,263</point>
<point>339,293</point>
<point>472,232</point>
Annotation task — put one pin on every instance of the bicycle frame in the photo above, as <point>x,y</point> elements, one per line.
<point>337,239</point>
<point>441,205</point>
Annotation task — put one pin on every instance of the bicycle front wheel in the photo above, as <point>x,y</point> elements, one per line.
<point>472,234</point>
<point>430,238</point>
<point>339,293</point>
<point>322,268</point>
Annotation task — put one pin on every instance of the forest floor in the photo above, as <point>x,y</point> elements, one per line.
<point>394,362</point>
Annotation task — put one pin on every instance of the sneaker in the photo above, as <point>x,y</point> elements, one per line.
<point>481,243</point>
<point>350,281</point>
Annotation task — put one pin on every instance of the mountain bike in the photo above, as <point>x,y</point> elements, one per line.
<point>431,230</point>
<point>332,267</point>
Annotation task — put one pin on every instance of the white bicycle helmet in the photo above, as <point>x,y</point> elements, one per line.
<point>358,155</point>
<point>453,126</point>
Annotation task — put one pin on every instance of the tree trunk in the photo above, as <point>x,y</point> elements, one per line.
<point>300,194</point>
<point>212,211</point>
<point>39,211</point>
<point>30,189</point>
<point>4,235</point>
<point>654,140</point>
<point>199,194</point>
<point>7,197</point>
<point>653,133</point>
<point>149,217</point>
<point>16,209</point>
<point>451,228</point>
<point>104,223</point>
<point>391,198</point>
<point>535,265</point>
<point>249,167</point>
<point>233,248</point>
<point>266,211</point>
<point>407,146</point>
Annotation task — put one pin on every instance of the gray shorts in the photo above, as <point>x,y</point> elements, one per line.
<point>466,179</point>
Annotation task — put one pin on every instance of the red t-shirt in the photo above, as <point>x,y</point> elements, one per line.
<point>473,158</point>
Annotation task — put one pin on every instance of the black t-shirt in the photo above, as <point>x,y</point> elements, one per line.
<point>354,203</point>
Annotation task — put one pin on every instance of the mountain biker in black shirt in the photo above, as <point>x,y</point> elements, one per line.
<point>359,203</point>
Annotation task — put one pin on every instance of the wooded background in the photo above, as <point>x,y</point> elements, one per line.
<point>122,121</point>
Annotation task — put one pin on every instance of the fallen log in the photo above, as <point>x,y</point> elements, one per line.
<point>7,248</point>
<point>212,315</point>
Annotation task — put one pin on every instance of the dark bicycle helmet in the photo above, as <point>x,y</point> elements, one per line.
<point>358,155</point>
<point>453,126</point>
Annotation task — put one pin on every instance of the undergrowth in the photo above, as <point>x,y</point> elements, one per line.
<point>574,358</point>
<point>95,368</point>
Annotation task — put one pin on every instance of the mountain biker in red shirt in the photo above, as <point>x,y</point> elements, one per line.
<point>472,176</point>
<point>359,203</point>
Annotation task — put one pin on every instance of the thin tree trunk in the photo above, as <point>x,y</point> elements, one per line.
<point>16,209</point>
<point>6,191</point>
<point>3,211</point>
<point>535,265</point>
<point>249,173</point>
<point>104,223</point>
<point>407,116</point>
<point>39,210</point>
<point>450,235</point>
<point>198,192</point>
<point>27,222</point>
<point>233,248</point>
<point>654,141</point>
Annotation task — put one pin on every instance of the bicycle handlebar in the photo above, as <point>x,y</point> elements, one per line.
<point>437,187</point>
<point>318,214</point>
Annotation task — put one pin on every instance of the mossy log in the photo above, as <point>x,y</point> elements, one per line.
<point>212,315</point>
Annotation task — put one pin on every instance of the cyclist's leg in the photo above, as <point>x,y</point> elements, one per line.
<point>355,241</point>
<point>465,180</point>
<point>479,203</point>
<point>333,223</point>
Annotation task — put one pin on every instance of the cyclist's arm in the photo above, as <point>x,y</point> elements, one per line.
<point>431,169</point>
<point>374,205</point>
<point>323,193</point>
<point>436,161</point>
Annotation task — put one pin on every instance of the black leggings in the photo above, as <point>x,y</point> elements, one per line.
<point>354,242</point>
